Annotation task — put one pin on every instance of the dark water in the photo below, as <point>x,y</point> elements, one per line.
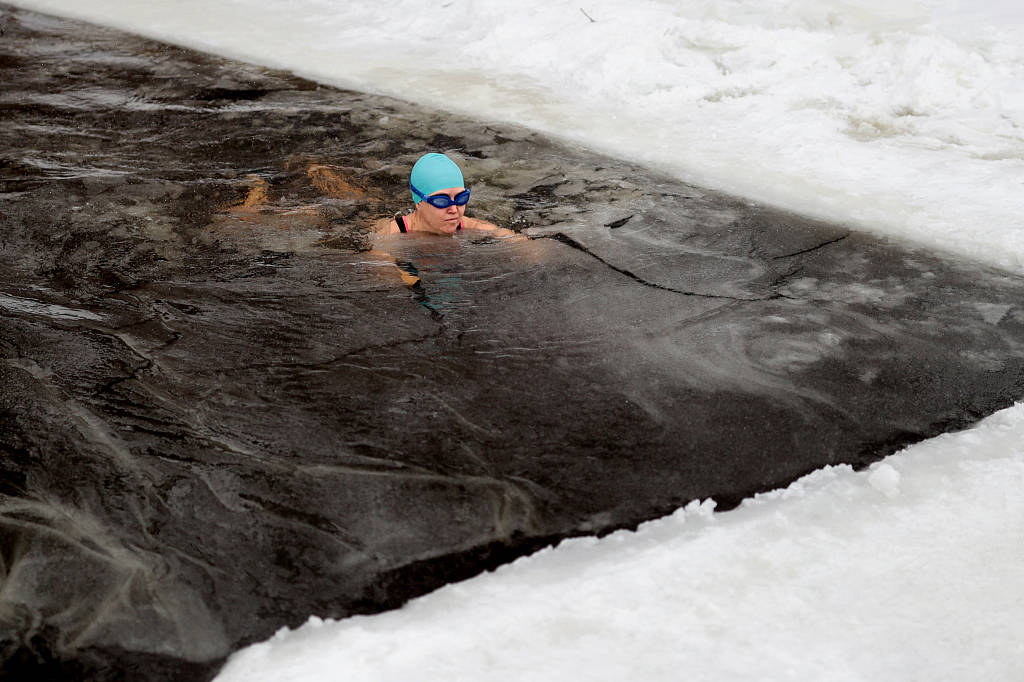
<point>222,409</point>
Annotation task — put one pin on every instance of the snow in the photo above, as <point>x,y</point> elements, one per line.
<point>896,116</point>
<point>901,117</point>
<point>908,571</point>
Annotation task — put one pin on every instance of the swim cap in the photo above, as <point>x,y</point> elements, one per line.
<point>432,173</point>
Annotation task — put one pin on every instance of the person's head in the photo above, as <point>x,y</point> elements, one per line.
<point>439,192</point>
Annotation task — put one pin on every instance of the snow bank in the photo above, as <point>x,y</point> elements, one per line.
<point>909,570</point>
<point>902,117</point>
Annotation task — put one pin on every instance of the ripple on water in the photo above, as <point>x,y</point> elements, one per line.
<point>28,306</point>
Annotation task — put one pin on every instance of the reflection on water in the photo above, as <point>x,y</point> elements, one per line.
<point>257,198</point>
<point>448,295</point>
<point>442,272</point>
<point>437,302</point>
<point>305,205</point>
<point>334,182</point>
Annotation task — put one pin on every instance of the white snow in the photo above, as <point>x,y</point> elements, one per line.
<point>898,116</point>
<point>909,571</point>
<point>902,117</point>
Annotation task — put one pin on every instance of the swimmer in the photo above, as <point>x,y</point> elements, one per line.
<point>439,196</point>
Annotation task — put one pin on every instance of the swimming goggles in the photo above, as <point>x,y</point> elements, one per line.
<point>443,200</point>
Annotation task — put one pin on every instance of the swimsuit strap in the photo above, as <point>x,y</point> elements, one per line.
<point>401,225</point>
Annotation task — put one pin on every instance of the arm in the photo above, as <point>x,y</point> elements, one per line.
<point>474,224</point>
<point>405,271</point>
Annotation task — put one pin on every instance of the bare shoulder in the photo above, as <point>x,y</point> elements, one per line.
<point>475,224</point>
<point>385,226</point>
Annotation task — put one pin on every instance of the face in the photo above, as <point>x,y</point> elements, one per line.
<point>441,220</point>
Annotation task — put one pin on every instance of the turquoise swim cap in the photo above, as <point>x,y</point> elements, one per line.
<point>432,173</point>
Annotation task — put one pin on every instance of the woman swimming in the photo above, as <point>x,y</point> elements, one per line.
<point>439,196</point>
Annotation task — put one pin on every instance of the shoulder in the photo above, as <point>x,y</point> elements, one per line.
<point>475,224</point>
<point>385,226</point>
